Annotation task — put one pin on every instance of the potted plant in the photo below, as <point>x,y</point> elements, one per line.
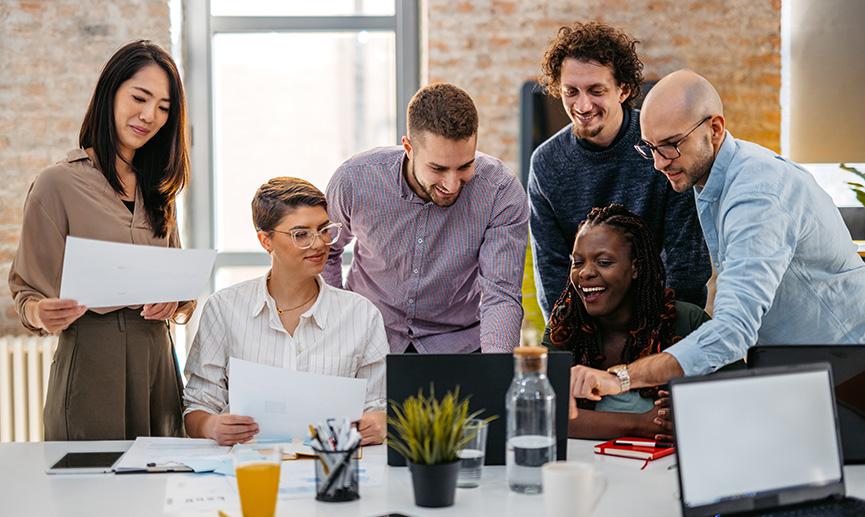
<point>429,433</point>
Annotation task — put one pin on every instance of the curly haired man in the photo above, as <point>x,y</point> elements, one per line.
<point>595,70</point>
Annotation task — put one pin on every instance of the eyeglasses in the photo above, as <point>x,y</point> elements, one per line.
<point>304,239</point>
<point>668,151</point>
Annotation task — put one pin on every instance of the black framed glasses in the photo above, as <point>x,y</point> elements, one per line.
<point>668,151</point>
<point>304,238</point>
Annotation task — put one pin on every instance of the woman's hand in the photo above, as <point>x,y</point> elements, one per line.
<point>228,429</point>
<point>664,419</point>
<point>372,427</point>
<point>55,315</point>
<point>657,423</point>
<point>159,311</point>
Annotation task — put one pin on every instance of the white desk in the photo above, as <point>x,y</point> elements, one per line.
<point>25,489</point>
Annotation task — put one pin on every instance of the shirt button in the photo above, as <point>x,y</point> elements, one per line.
<point>409,322</point>
<point>411,301</point>
<point>420,240</point>
<point>416,271</point>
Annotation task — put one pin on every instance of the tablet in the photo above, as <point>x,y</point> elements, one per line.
<point>85,463</point>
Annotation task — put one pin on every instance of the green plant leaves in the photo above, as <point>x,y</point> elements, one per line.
<point>429,431</point>
<point>855,186</point>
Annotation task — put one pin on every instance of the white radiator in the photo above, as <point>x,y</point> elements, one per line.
<point>25,363</point>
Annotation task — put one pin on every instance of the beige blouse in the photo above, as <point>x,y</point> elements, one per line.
<point>74,198</point>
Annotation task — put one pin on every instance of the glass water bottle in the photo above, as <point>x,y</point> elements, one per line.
<point>531,434</point>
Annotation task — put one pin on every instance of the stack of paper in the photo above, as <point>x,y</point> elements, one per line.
<point>153,454</point>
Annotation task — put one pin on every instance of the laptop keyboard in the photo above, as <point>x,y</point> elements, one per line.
<point>848,507</point>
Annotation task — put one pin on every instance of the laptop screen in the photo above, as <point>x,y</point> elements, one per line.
<point>750,436</point>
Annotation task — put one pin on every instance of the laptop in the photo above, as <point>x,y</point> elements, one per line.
<point>848,370</point>
<point>760,442</point>
<point>486,378</point>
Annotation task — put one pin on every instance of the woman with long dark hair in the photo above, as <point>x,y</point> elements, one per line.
<point>615,310</point>
<point>114,374</point>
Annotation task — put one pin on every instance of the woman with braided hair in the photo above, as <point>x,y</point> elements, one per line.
<point>613,311</point>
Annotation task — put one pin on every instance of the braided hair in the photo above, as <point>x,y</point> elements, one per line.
<point>652,316</point>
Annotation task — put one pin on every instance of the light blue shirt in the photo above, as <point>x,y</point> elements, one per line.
<point>788,271</point>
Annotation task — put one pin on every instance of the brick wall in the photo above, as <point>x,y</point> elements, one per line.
<point>490,47</point>
<point>51,53</point>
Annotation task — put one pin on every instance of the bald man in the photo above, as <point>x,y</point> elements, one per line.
<point>788,271</point>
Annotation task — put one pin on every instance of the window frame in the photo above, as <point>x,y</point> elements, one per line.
<point>199,29</point>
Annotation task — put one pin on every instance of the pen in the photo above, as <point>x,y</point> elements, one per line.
<point>636,443</point>
<point>340,466</point>
<point>314,434</point>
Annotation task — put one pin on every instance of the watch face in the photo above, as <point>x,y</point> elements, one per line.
<point>621,371</point>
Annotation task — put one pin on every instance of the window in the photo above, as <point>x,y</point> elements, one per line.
<point>285,88</point>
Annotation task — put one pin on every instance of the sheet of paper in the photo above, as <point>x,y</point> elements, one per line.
<point>209,492</point>
<point>297,478</point>
<point>192,452</point>
<point>291,450</point>
<point>200,492</point>
<point>285,402</point>
<point>111,274</point>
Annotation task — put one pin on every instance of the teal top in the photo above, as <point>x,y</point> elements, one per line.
<point>688,318</point>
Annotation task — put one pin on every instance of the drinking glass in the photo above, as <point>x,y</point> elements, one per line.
<point>472,454</point>
<point>257,471</point>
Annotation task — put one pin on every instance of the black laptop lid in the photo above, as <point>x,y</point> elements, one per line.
<point>486,377</point>
<point>848,371</point>
<point>756,439</point>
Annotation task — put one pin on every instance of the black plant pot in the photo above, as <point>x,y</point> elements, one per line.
<point>434,485</point>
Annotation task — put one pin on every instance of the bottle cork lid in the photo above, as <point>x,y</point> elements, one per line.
<point>530,351</point>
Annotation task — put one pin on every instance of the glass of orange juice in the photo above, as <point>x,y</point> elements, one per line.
<point>257,470</point>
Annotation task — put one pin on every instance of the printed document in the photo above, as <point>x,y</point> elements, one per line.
<point>285,402</point>
<point>112,274</point>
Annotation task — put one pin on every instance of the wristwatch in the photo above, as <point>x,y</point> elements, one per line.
<point>621,371</point>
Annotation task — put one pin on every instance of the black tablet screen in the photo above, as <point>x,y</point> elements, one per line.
<point>79,460</point>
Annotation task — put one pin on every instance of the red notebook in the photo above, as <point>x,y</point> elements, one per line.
<point>641,452</point>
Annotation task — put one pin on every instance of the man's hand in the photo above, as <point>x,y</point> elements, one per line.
<point>588,383</point>
<point>372,427</point>
<point>228,429</point>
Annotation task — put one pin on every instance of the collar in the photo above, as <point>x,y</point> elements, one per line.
<point>318,312</point>
<point>711,191</point>
<point>76,155</point>
<point>405,190</point>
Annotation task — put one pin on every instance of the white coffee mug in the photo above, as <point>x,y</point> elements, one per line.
<point>572,488</point>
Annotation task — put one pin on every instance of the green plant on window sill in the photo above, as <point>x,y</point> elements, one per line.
<point>858,188</point>
<point>428,431</point>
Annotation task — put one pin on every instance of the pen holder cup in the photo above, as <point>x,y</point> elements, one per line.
<point>336,475</point>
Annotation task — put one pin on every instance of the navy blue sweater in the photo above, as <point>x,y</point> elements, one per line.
<point>568,178</point>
